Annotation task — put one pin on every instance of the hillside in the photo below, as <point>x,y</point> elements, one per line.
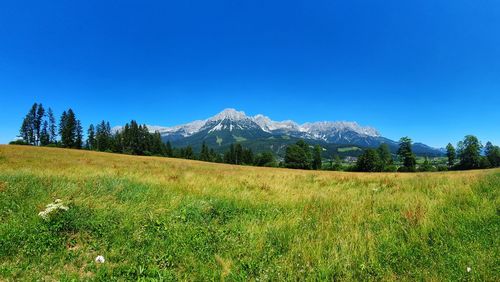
<point>175,219</point>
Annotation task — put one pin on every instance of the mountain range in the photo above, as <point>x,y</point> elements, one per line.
<point>260,133</point>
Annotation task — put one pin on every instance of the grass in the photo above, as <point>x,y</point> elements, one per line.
<point>170,219</point>
<point>348,149</point>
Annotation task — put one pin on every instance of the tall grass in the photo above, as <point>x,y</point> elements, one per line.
<point>169,219</point>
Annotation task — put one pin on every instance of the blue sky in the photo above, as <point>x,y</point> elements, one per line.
<point>426,69</point>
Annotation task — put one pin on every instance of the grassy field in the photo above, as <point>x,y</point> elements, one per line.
<point>169,219</point>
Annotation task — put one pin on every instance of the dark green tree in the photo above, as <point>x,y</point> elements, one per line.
<point>44,134</point>
<point>265,159</point>
<point>169,152</point>
<point>28,130</point>
<point>469,152</point>
<point>451,154</point>
<point>247,157</point>
<point>385,155</point>
<point>78,144</point>
<point>38,121</point>
<point>492,153</point>
<point>205,153</point>
<point>91,142</point>
<point>317,161</point>
<point>52,129</point>
<point>406,155</point>
<point>298,156</point>
<point>369,161</point>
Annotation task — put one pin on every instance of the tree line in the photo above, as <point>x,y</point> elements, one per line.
<point>468,155</point>
<point>39,128</point>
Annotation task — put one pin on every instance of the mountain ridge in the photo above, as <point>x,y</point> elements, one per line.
<point>231,126</point>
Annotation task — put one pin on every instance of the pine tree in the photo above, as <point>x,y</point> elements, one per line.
<point>406,155</point>
<point>91,137</point>
<point>44,134</point>
<point>28,127</point>
<point>40,113</point>
<point>78,143</point>
<point>205,153</point>
<point>52,130</point>
<point>169,152</point>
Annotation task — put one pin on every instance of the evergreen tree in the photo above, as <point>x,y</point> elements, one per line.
<point>78,143</point>
<point>406,155</point>
<point>492,154</point>
<point>247,157</point>
<point>169,152</point>
<point>28,130</point>
<point>238,153</point>
<point>317,162</point>
<point>40,114</point>
<point>52,130</point>
<point>91,142</point>
<point>44,134</point>
<point>469,152</point>
<point>189,153</point>
<point>205,153</point>
<point>103,137</point>
<point>230,155</point>
<point>451,154</point>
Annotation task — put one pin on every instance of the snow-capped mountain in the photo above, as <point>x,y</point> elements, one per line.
<point>230,119</point>
<point>261,132</point>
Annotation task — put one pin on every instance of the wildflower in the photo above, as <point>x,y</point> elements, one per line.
<point>51,208</point>
<point>100,259</point>
<point>469,269</point>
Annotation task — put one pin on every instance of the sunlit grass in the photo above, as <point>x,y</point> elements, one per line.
<point>177,219</point>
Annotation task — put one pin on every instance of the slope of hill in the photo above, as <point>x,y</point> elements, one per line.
<point>172,219</point>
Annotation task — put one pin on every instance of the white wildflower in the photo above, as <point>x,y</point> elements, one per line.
<point>100,259</point>
<point>51,208</point>
<point>469,269</point>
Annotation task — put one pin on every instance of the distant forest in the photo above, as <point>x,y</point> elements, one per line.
<point>39,128</point>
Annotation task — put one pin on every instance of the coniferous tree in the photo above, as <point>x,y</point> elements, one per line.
<point>169,152</point>
<point>189,153</point>
<point>451,154</point>
<point>40,113</point>
<point>91,143</point>
<point>406,154</point>
<point>205,153</point>
<point>247,157</point>
<point>28,130</point>
<point>78,144</point>
<point>44,134</point>
<point>492,153</point>
<point>52,130</point>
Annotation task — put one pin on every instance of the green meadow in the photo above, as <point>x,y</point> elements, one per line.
<point>171,219</point>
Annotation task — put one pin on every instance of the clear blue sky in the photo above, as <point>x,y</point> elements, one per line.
<point>428,69</point>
